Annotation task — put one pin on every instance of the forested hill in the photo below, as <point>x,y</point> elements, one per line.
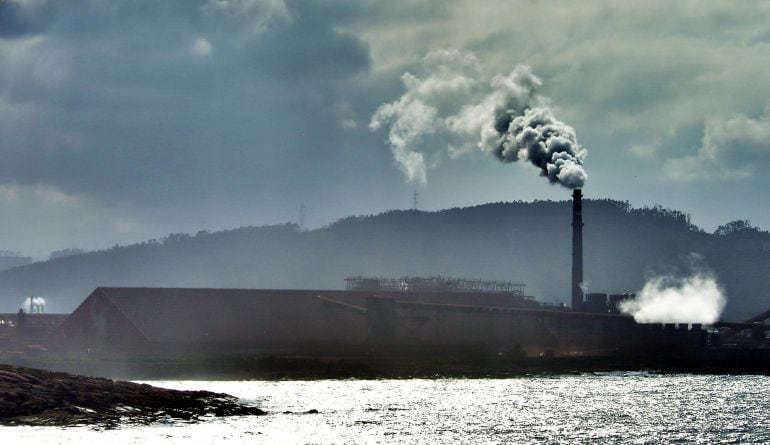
<point>529,242</point>
<point>9,260</point>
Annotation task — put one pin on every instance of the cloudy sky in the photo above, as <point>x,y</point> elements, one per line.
<point>127,120</point>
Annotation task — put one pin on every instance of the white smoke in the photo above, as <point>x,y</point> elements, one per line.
<point>422,111</point>
<point>37,302</point>
<point>697,298</point>
<point>452,105</point>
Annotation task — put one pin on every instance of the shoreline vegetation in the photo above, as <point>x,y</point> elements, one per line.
<point>35,397</point>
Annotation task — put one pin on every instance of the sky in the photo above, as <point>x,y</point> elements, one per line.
<point>122,121</point>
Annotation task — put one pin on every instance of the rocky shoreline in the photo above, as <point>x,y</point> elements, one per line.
<point>34,397</point>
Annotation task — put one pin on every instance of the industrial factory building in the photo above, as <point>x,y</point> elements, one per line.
<point>140,321</point>
<point>387,315</point>
<point>408,313</point>
<point>147,319</point>
<point>29,329</point>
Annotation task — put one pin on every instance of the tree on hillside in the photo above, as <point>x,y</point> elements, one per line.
<point>740,226</point>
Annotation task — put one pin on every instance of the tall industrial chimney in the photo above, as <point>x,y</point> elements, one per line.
<point>577,250</point>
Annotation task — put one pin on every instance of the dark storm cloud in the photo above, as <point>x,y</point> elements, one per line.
<point>308,49</point>
<point>12,22</point>
<point>165,100</point>
<point>17,21</point>
<point>123,121</point>
<point>157,116</point>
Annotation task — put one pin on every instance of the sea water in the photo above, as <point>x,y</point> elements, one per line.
<point>591,408</point>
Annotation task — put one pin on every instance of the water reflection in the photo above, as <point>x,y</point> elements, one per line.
<point>608,408</point>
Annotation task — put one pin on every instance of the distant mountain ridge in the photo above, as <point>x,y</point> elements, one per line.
<point>9,260</point>
<point>519,241</point>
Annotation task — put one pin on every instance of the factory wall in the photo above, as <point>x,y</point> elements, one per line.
<point>533,331</point>
<point>143,320</point>
<point>18,331</point>
<point>196,322</point>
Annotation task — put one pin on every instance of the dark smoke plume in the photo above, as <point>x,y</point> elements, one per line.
<point>543,140</point>
<point>511,120</point>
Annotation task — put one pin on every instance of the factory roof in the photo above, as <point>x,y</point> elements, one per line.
<point>210,315</point>
<point>249,316</point>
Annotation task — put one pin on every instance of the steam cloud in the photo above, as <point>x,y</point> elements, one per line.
<point>666,299</point>
<point>36,301</point>
<point>451,104</point>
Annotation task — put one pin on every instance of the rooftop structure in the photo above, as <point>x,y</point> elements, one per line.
<point>436,283</point>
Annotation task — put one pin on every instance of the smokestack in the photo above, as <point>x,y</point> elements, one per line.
<point>577,250</point>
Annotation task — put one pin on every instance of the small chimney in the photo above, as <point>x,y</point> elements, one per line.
<point>577,250</point>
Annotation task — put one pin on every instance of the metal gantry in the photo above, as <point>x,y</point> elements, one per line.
<point>435,283</point>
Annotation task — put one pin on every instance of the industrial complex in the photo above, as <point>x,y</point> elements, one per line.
<point>374,315</point>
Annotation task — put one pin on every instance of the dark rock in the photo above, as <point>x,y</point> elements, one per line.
<point>34,397</point>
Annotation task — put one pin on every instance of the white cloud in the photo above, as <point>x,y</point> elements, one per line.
<point>644,150</point>
<point>201,47</point>
<point>42,193</point>
<point>346,117</point>
<point>734,148</point>
<point>53,195</point>
<point>125,227</point>
<point>8,193</point>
